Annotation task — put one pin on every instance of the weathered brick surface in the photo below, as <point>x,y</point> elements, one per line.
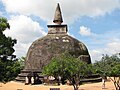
<point>56,42</point>
<point>43,49</point>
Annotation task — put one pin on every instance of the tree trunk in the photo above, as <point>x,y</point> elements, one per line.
<point>75,87</point>
<point>116,83</point>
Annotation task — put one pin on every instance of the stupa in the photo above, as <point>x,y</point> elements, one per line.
<point>56,42</point>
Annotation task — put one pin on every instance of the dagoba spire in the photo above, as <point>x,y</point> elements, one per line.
<point>58,16</point>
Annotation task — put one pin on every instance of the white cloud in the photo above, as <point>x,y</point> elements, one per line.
<point>104,43</point>
<point>111,48</point>
<point>42,8</point>
<point>85,31</point>
<point>96,54</point>
<point>25,30</point>
<point>72,9</point>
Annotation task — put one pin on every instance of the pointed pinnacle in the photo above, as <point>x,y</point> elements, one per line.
<point>58,16</point>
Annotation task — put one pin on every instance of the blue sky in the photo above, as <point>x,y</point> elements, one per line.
<point>96,23</point>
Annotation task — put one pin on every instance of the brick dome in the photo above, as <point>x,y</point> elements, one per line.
<point>42,50</point>
<point>56,42</point>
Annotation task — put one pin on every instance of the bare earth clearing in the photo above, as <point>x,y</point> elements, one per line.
<point>20,86</point>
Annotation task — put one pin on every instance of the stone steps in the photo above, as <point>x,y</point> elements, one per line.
<point>24,73</point>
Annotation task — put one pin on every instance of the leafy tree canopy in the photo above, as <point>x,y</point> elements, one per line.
<point>67,67</point>
<point>9,66</point>
<point>109,66</point>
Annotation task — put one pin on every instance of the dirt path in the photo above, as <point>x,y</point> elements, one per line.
<point>20,86</point>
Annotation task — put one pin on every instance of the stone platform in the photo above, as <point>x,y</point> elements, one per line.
<point>24,73</point>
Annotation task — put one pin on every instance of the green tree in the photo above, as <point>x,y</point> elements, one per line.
<point>9,66</point>
<point>115,76</point>
<point>3,24</point>
<point>67,67</point>
<point>109,66</point>
<point>22,62</point>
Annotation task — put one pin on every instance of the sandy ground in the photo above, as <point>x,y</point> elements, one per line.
<point>21,86</point>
